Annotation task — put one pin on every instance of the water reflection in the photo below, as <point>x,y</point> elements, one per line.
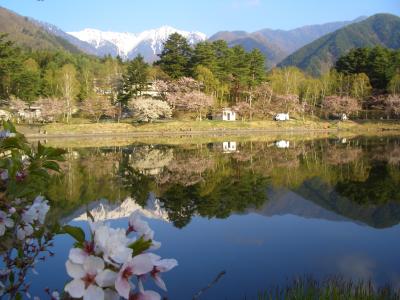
<point>354,180</point>
<point>297,208</point>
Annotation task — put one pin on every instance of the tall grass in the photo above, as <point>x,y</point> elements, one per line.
<point>331,289</point>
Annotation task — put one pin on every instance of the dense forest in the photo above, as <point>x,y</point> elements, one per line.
<point>194,82</point>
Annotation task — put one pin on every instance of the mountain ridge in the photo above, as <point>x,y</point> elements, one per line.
<point>276,44</point>
<point>319,56</point>
<point>27,34</point>
<point>125,44</point>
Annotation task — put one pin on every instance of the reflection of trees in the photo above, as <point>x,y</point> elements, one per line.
<point>380,186</point>
<point>187,169</point>
<point>197,180</point>
<point>389,152</point>
<point>88,175</point>
<point>231,194</point>
<point>342,155</point>
<point>150,160</point>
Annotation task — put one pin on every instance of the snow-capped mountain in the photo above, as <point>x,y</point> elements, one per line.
<point>103,210</point>
<point>148,43</point>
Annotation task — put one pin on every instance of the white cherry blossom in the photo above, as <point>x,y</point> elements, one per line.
<point>113,243</point>
<point>5,221</point>
<point>24,230</point>
<point>89,279</point>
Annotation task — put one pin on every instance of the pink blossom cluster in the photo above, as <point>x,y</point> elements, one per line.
<point>115,263</point>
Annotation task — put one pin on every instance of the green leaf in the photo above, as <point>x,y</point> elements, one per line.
<point>11,277</point>
<point>140,245</point>
<point>76,232</point>
<point>51,165</point>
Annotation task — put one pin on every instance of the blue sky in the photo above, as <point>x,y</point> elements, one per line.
<point>208,16</point>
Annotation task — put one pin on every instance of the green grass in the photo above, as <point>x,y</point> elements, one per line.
<point>85,127</point>
<point>332,289</point>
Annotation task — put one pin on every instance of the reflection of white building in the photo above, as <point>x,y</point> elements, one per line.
<point>229,146</point>
<point>226,115</point>
<point>282,144</point>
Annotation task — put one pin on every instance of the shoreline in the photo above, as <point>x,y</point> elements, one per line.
<point>206,128</point>
<point>219,133</point>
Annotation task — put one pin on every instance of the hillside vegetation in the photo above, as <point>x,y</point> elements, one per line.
<point>319,56</point>
<point>28,35</point>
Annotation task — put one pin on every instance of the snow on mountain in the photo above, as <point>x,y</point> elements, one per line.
<point>103,210</point>
<point>127,45</point>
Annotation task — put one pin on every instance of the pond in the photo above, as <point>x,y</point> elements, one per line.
<point>263,212</point>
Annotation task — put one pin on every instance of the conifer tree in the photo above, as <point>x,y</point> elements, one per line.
<point>175,57</point>
<point>135,81</point>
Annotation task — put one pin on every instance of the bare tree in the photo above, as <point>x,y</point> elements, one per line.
<point>98,107</point>
<point>392,105</point>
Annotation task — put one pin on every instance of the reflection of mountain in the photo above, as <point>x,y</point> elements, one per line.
<point>375,215</point>
<point>285,202</point>
<point>103,210</point>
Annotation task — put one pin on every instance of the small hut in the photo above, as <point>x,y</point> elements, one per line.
<point>227,114</point>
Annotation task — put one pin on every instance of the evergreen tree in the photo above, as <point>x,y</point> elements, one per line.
<point>10,63</point>
<point>203,54</point>
<point>175,57</point>
<point>256,61</point>
<point>135,81</point>
<point>27,82</point>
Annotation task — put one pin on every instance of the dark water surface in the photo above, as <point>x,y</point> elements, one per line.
<point>264,212</point>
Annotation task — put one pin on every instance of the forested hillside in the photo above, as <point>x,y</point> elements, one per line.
<point>318,57</point>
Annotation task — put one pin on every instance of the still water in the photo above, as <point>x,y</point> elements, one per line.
<point>264,212</point>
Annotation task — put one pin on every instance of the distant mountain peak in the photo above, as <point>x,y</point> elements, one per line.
<point>127,44</point>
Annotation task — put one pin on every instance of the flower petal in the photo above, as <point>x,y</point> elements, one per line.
<point>123,287</point>
<point>75,288</point>
<point>77,255</point>
<point>106,278</point>
<point>147,295</point>
<point>93,292</point>
<point>76,271</point>
<point>142,264</point>
<point>164,265</point>
<point>3,230</point>
<point>159,282</point>
<point>9,222</point>
<point>93,265</point>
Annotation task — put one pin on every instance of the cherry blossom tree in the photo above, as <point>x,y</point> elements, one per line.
<point>148,110</point>
<point>337,105</point>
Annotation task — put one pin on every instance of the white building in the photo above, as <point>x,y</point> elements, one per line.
<point>282,117</point>
<point>282,144</point>
<point>227,115</point>
<point>229,147</point>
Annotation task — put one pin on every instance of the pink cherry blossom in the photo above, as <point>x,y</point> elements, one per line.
<point>138,265</point>
<point>161,266</point>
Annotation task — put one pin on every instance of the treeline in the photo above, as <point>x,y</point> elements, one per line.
<point>196,81</point>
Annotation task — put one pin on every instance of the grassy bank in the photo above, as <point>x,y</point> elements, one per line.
<point>309,289</point>
<point>204,127</point>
